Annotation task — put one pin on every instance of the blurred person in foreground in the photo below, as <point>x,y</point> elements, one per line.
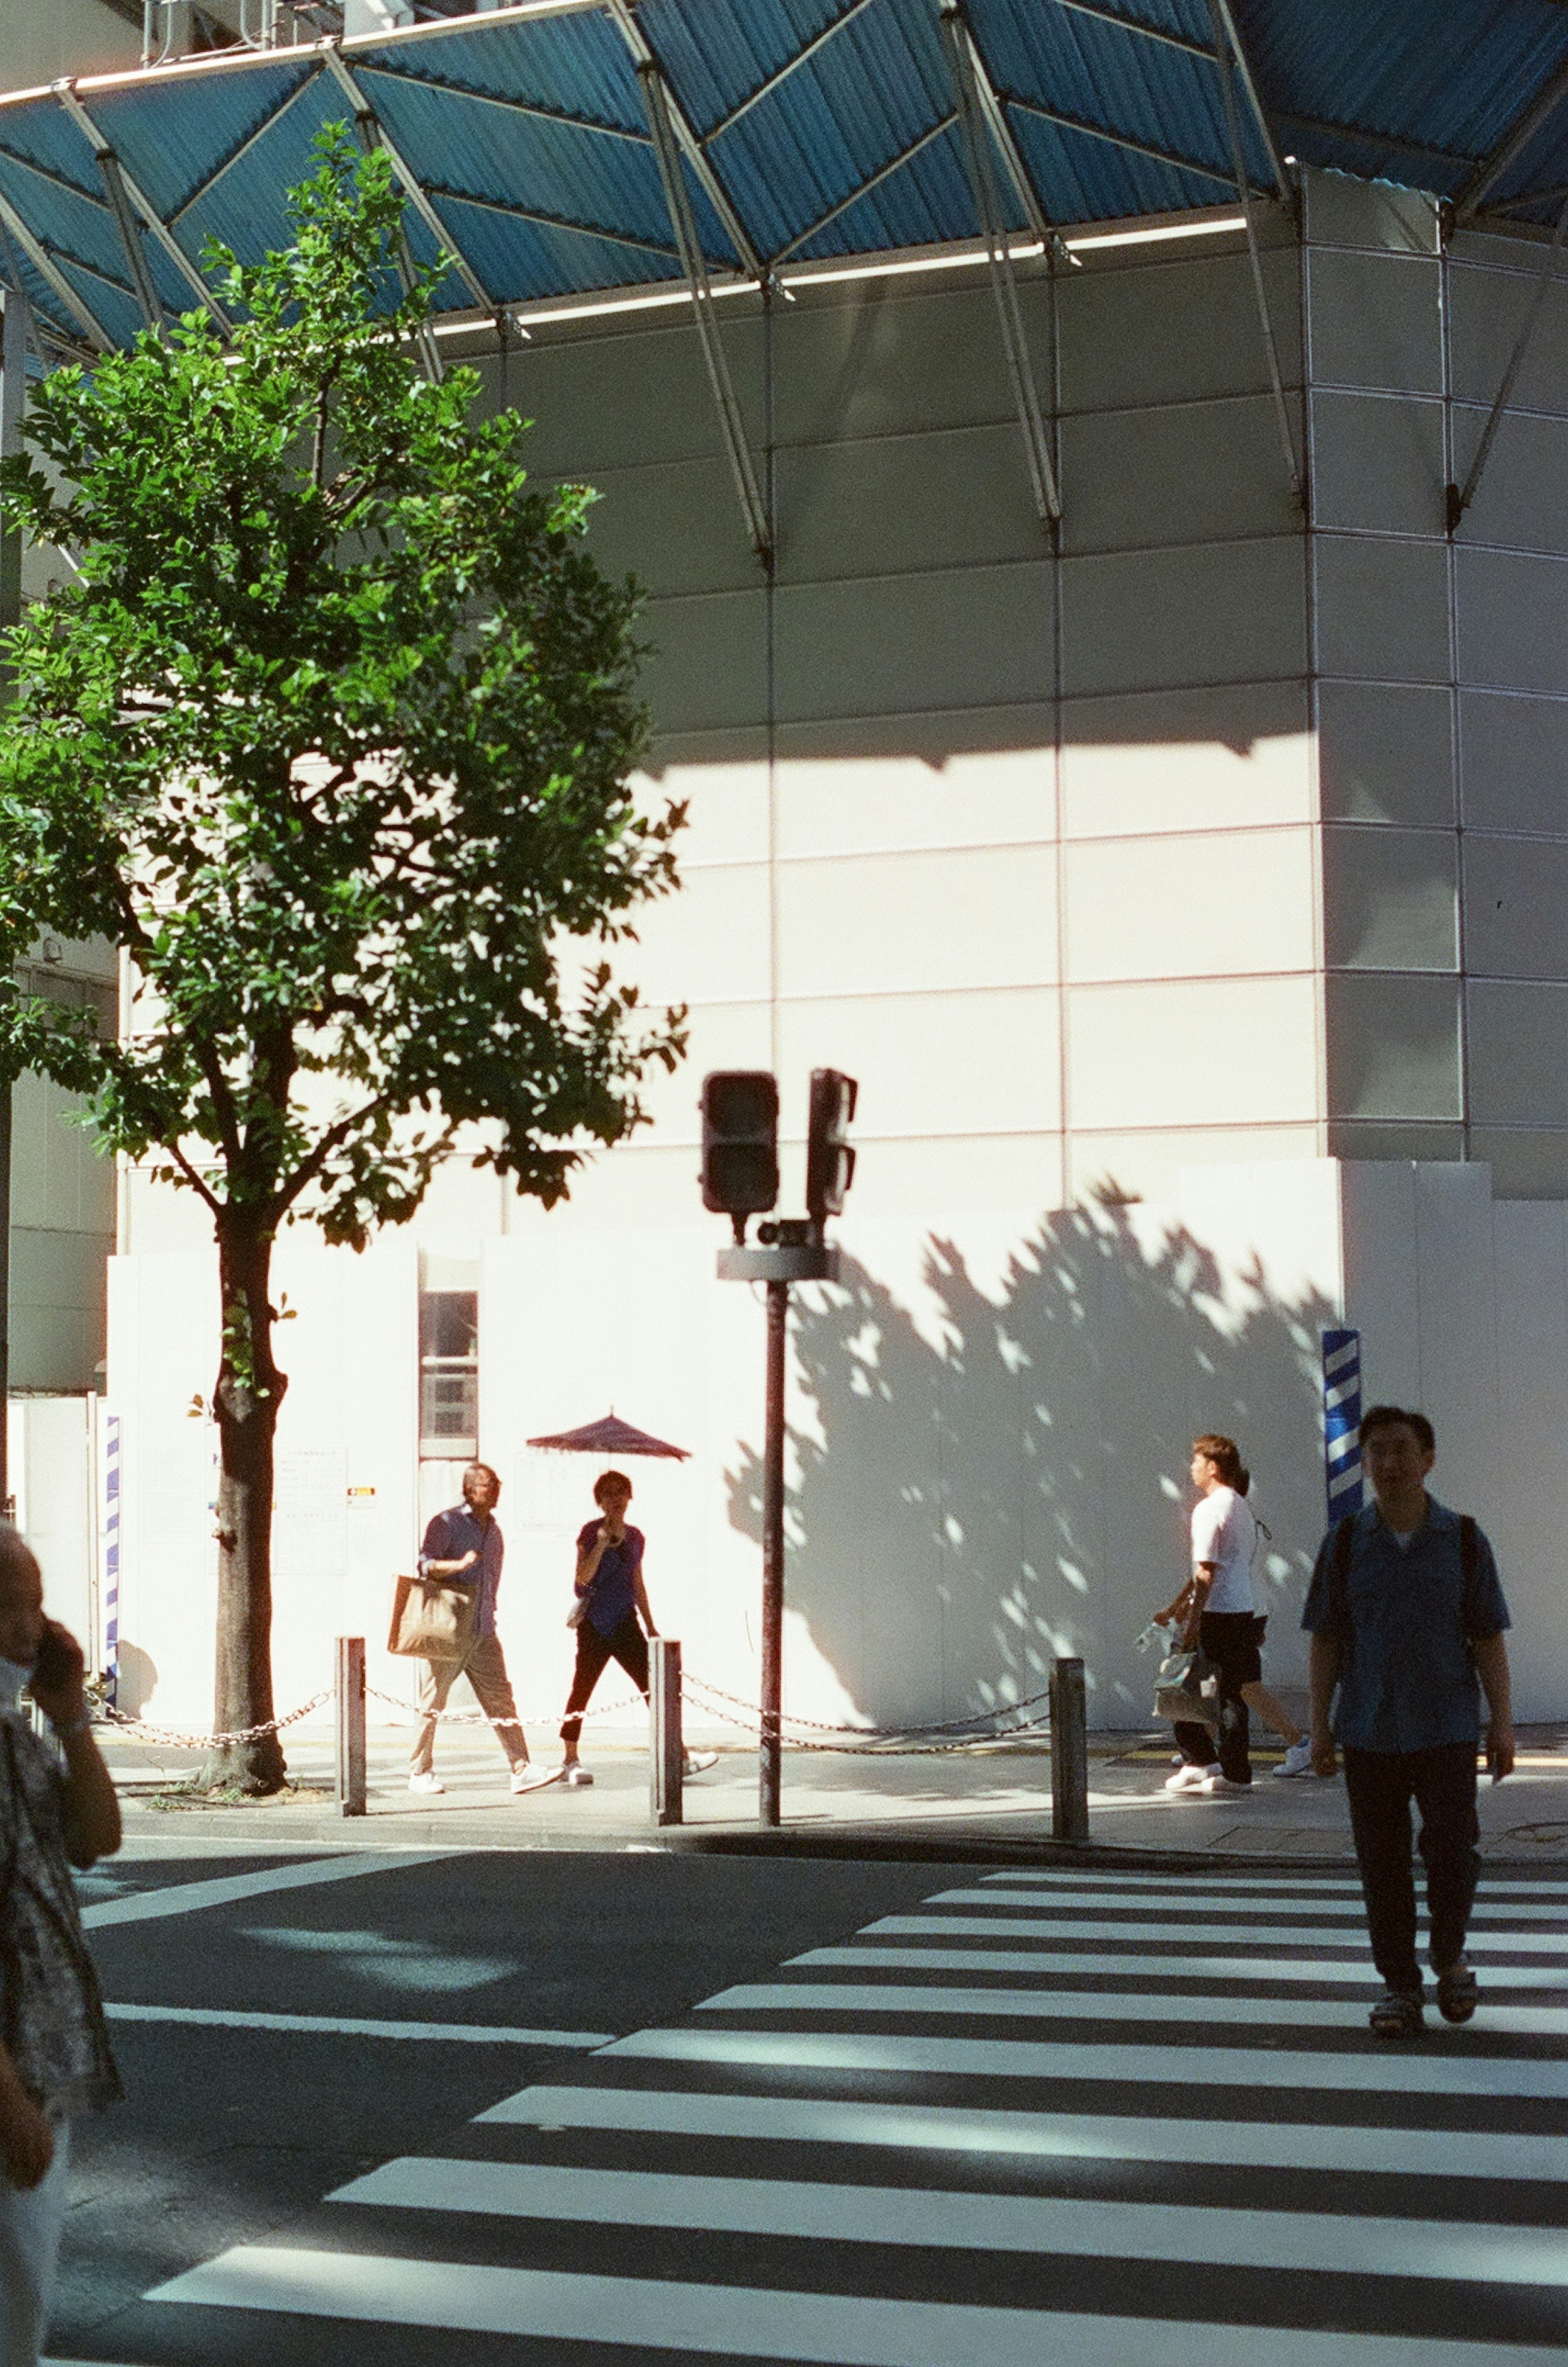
<point>54,2052</point>
<point>1406,1617</point>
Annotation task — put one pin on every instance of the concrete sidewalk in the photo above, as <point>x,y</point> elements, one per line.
<point>991,1799</point>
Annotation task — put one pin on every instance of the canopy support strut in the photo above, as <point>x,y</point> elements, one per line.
<point>695,153</point>
<point>1232,40</point>
<point>969,83</point>
<point>1533,121</point>
<point>1225,53</point>
<point>655,98</point>
<point>43,262</point>
<point>119,187</point>
<point>1460,498</point>
<point>374,133</point>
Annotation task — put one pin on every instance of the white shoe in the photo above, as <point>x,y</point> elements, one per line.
<point>1215,1783</point>
<point>1189,1779</point>
<point>699,1761</point>
<point>532,1779</point>
<point>576,1775</point>
<point>1297,1760</point>
<point>427,1782</point>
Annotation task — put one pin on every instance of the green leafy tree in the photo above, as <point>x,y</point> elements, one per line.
<point>332,731</point>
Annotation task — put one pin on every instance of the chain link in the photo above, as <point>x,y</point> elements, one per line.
<point>891,1746</point>
<point>117,1722</point>
<point>479,1717</point>
<point>889,1733</point>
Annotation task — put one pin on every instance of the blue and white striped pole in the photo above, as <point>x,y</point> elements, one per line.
<point>111,1559</point>
<point>1342,1423</point>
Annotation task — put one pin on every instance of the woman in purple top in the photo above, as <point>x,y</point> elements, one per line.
<point>610,1598</point>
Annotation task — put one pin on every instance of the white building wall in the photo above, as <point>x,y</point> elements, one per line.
<point>1040,848</point>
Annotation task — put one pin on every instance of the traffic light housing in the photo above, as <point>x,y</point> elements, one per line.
<point>741,1143</point>
<point>829,1159</point>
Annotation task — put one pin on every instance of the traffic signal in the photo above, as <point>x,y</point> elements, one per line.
<point>741,1143</point>
<point>829,1160</point>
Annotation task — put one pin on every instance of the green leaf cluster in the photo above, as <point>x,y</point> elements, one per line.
<point>331,731</point>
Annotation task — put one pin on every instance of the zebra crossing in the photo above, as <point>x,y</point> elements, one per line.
<point>1111,2119</point>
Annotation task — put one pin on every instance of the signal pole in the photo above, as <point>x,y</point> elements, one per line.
<point>740,1179</point>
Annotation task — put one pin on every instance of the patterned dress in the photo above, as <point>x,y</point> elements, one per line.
<point>51,2015</point>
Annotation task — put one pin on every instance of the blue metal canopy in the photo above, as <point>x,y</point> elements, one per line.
<point>807,130</point>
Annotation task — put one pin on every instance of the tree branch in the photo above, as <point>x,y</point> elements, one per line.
<point>193,1179</point>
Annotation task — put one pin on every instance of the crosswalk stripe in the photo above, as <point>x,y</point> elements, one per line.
<point>1097,2004</point>
<point>327,2025</point>
<point>849,2330</point>
<point>1326,2241</point>
<point>1245,1885</point>
<point>1536,1943</point>
<point>1431,2074</point>
<point>1481,2154</point>
<point>1198,1902</point>
<point>1328,1972</point>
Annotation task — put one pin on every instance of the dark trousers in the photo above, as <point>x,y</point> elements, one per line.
<point>1231,1642</point>
<point>627,1644</point>
<point>1381,1784</point>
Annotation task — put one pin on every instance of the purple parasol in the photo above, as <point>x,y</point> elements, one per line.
<point>611,1436</point>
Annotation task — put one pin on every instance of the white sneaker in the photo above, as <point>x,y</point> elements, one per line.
<point>1189,1779</point>
<point>427,1782</point>
<point>577,1776</point>
<point>1297,1760</point>
<point>532,1779</point>
<point>1214,1783</point>
<point>699,1761</point>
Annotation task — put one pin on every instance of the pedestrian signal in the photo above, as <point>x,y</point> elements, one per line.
<point>740,1142</point>
<point>829,1160</point>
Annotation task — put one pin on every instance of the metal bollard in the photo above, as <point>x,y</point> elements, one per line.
<point>667,1757</point>
<point>1069,1753</point>
<point>349,1705</point>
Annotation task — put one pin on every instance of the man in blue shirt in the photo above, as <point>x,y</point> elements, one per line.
<point>467,1544</point>
<point>1406,1615</point>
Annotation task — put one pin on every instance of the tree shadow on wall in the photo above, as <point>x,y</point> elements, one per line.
<point>989,1477</point>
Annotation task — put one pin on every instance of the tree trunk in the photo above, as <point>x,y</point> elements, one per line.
<point>249,1392</point>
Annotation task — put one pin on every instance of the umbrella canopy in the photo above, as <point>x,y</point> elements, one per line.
<point>611,1436</point>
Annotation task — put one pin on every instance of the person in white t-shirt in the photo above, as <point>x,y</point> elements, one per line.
<point>1218,1610</point>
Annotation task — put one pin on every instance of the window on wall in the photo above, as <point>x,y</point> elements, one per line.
<point>449,1376</point>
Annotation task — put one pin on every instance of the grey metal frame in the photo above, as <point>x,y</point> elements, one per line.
<point>863,189</point>
<point>131,190</point>
<point>975,122</point>
<point>413,189</point>
<point>1226,16</point>
<point>1220,17</point>
<point>44,265</point>
<point>1537,115</point>
<point>666,147</point>
<point>696,156</point>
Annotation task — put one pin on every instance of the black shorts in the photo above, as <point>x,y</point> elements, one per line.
<point>1233,1642</point>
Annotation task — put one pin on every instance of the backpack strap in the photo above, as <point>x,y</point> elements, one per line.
<point>1469,1548</point>
<point>1339,1573</point>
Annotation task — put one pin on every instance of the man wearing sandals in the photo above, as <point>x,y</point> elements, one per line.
<point>1405,1613</point>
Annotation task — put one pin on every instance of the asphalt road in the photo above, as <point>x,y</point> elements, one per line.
<point>227,2132</point>
<point>674,2109</point>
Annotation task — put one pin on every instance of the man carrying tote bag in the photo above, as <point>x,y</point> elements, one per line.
<point>466,1545</point>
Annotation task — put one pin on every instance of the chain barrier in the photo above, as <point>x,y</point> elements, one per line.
<point>479,1717</point>
<point>891,1733</point>
<point>885,1743</point>
<point>713,1701</point>
<point>119,1723</point>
